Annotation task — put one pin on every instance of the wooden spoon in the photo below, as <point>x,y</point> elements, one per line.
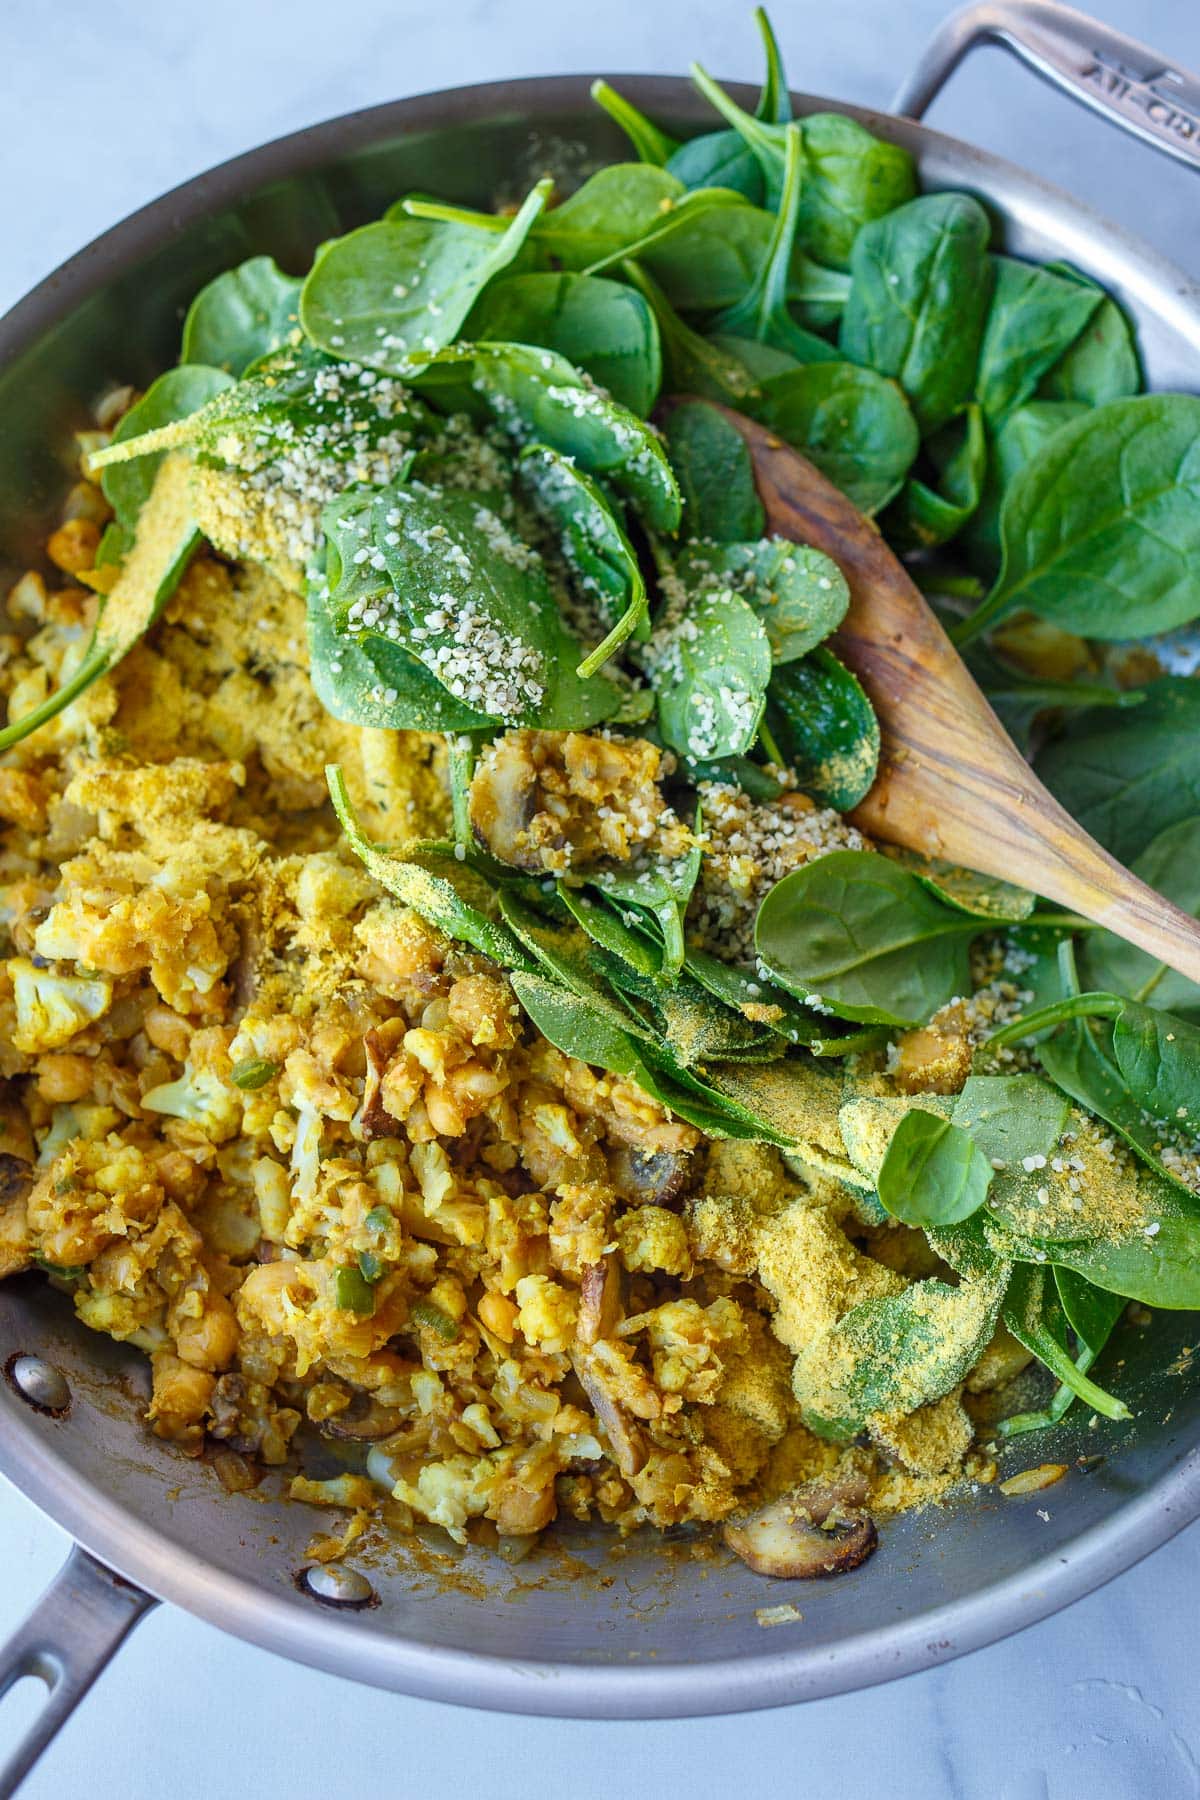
<point>951,782</point>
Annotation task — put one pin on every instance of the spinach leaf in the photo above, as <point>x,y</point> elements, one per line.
<point>1012,1118</point>
<point>763,360</point>
<point>1035,316</point>
<point>743,988</point>
<point>1092,1315</point>
<point>174,396</point>
<point>713,466</point>
<point>706,253</point>
<point>403,287</point>
<point>920,282</point>
<point>762,312</point>
<point>581,1028</point>
<point>595,546</point>
<point>287,404</point>
<point>853,424</point>
<point>473,603</point>
<point>980,895</point>
<point>1159,1056</point>
<point>799,593</point>
<point>719,159</point>
<point>361,678</point>
<point>724,150</point>
<point>561,949</point>
<point>1157,1261</point>
<point>693,364</point>
<point>241,315</point>
<point>1034,1314</point>
<point>925,516</point>
<point>164,538</point>
<point>1101,534</point>
<point>891,1354</point>
<point>613,209</point>
<point>592,1029</point>
<point>1017,442</point>
<point>699,1032</point>
<point>1127,776</point>
<point>1170,864</point>
<point>825,728</point>
<point>599,326</point>
<point>934,1173</point>
<point>865,936</point>
<point>710,670</point>
<point>610,929</point>
<point>735,771</point>
<point>539,398</point>
<point>851,177</point>
<point>663,890</point>
<point>1075,1062</point>
<point>1102,364</point>
<point>652,145</point>
<point>446,892</point>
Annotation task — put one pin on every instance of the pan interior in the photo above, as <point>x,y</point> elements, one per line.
<point>647,1606</point>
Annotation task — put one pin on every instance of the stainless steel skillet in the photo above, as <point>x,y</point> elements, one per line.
<point>645,1630</point>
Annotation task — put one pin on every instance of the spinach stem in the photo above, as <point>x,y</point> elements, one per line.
<point>982,619</point>
<point>1075,1006</point>
<point>774,754</point>
<point>89,670</point>
<point>652,145</point>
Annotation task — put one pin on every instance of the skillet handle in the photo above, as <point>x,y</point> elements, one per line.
<point>1104,70</point>
<point>69,1638</point>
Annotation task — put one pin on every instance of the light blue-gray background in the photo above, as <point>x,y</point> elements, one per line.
<point>102,106</point>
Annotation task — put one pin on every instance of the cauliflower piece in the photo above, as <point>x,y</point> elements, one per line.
<point>652,1238</point>
<point>202,1098</point>
<point>52,1009</point>
<point>91,1196</point>
<point>547,1312</point>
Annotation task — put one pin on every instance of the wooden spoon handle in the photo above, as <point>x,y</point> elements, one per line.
<point>951,783</point>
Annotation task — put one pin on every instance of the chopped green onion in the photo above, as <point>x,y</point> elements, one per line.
<point>255,1072</point>
<point>369,1265</point>
<point>352,1292</point>
<point>432,1318</point>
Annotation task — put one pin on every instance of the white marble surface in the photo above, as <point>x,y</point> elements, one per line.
<point>102,107</point>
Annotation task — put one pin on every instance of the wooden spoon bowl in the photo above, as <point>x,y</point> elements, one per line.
<point>951,782</point>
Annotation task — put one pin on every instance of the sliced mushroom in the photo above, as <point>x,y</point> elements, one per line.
<point>627,1442</point>
<point>503,800</point>
<point>374,1119</point>
<point>649,1177</point>
<point>601,1306</point>
<point>816,1530</point>
<point>16,1179</point>
<point>364,1421</point>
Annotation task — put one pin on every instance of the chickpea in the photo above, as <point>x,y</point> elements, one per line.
<point>499,1315</point>
<point>63,1077</point>
<point>73,546</point>
<point>167,1031</point>
<point>182,1395</point>
<point>210,1341</point>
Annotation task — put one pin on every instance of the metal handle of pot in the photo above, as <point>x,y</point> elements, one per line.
<point>68,1639</point>
<point>1104,70</point>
